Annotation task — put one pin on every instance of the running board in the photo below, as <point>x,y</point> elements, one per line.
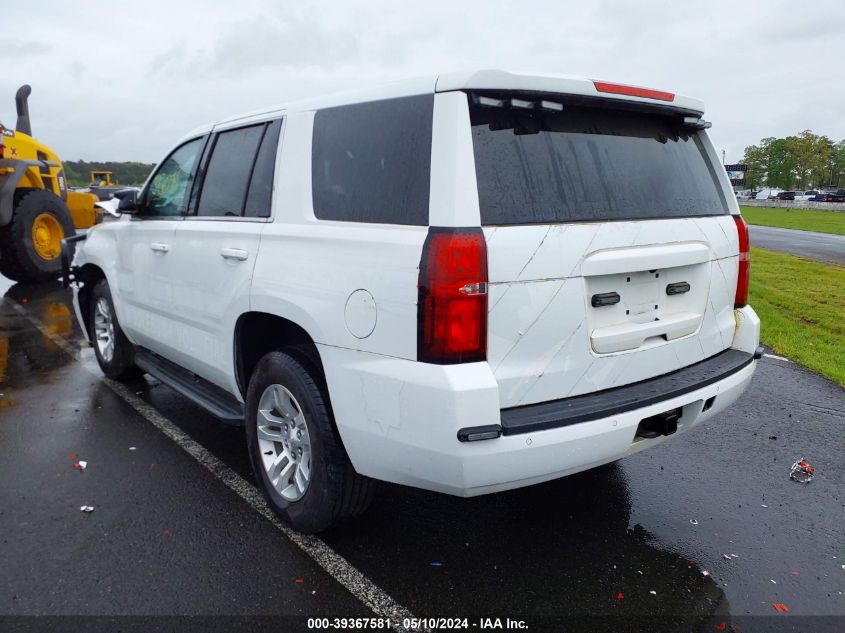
<point>207,395</point>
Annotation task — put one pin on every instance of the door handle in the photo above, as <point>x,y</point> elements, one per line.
<point>234,253</point>
<point>159,247</point>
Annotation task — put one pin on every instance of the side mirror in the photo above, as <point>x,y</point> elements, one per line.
<point>130,201</point>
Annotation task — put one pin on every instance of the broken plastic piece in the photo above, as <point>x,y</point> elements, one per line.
<point>81,465</point>
<point>437,564</point>
<point>299,581</point>
<point>653,592</point>
<point>705,573</point>
<point>131,448</point>
<point>802,472</point>
<point>780,607</point>
<point>87,509</point>
<point>693,521</point>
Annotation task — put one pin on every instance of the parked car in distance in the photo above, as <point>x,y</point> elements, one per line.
<point>767,194</point>
<point>806,195</point>
<point>829,196</point>
<point>421,283</point>
<point>786,195</point>
<point>746,194</point>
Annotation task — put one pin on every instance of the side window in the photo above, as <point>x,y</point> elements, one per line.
<point>169,188</point>
<point>371,162</point>
<point>260,195</point>
<point>227,175</point>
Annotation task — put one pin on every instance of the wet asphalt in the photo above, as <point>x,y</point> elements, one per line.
<point>825,247</point>
<point>704,531</point>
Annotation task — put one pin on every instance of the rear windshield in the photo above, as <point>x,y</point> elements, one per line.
<point>588,163</point>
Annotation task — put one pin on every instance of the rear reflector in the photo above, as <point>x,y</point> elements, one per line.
<point>741,299</point>
<point>452,302</point>
<point>633,91</point>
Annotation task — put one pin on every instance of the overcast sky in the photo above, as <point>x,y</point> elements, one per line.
<point>123,80</point>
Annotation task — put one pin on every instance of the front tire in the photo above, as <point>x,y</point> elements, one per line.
<point>115,354</point>
<point>295,451</point>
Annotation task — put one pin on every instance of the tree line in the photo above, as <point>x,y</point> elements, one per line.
<point>126,173</point>
<point>803,161</point>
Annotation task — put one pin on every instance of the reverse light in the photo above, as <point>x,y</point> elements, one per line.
<point>452,306</point>
<point>633,91</point>
<point>741,299</point>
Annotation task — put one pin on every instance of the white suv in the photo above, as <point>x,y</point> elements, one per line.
<point>466,283</point>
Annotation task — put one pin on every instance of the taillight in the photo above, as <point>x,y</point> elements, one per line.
<point>452,309</point>
<point>741,299</point>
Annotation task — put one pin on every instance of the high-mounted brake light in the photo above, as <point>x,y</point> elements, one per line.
<point>452,308</point>
<point>741,299</point>
<point>633,91</point>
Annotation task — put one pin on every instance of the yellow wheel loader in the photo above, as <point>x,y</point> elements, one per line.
<point>36,209</point>
<point>103,185</point>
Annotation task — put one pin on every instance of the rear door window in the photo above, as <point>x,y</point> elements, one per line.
<point>371,161</point>
<point>260,194</point>
<point>588,163</point>
<point>227,174</point>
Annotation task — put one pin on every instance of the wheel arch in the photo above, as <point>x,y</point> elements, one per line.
<point>89,275</point>
<point>257,333</point>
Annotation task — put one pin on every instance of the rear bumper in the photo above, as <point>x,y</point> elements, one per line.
<point>400,420</point>
<point>603,404</point>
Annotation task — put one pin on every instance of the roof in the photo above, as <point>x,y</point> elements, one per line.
<point>470,80</point>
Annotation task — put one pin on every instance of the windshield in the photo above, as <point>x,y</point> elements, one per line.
<point>588,163</point>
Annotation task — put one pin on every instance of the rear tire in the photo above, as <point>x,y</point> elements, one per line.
<point>115,354</point>
<point>285,402</point>
<point>29,243</point>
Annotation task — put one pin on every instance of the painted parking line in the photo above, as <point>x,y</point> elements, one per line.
<point>336,565</point>
<point>776,357</point>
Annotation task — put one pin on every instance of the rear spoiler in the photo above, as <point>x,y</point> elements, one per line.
<point>68,250</point>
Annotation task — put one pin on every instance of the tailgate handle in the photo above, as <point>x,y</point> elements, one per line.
<point>605,299</point>
<point>677,288</point>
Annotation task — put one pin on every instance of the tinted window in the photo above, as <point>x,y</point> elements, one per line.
<point>371,161</point>
<point>227,175</point>
<point>168,192</point>
<point>260,194</point>
<point>589,163</point>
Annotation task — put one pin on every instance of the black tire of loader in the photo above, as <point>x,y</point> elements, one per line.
<point>18,259</point>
